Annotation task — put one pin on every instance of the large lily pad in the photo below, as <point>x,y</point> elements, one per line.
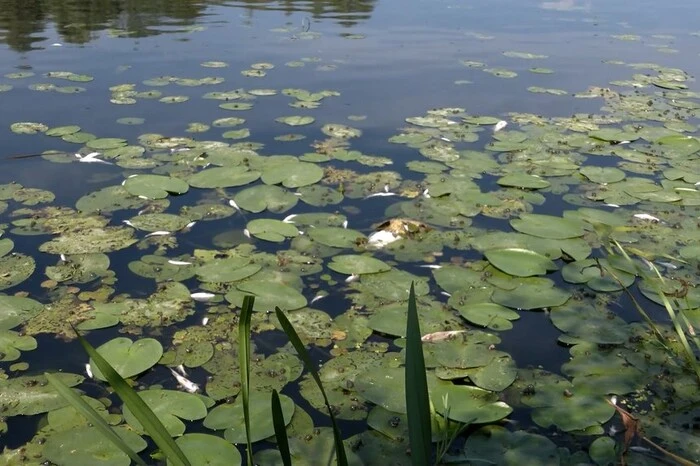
<point>169,406</point>
<point>226,270</point>
<point>497,445</point>
<point>268,294</point>
<point>520,262</point>
<point>88,446</point>
<point>155,186</point>
<point>209,449</point>
<point>357,265</point>
<point>14,269</point>
<point>548,226</point>
<point>230,417</point>
<point>15,310</point>
<point>28,395</point>
<point>337,237</point>
<point>91,240</point>
<point>127,357</point>
<point>223,177</point>
<point>530,296</point>
<point>292,174</point>
<point>273,198</point>
<point>275,231</point>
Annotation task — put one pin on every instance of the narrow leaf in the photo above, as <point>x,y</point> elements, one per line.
<point>92,416</point>
<point>417,399</point>
<point>280,432</point>
<point>244,362</point>
<point>311,367</point>
<point>137,406</point>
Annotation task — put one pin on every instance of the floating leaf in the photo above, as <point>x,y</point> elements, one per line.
<point>127,357</point>
<point>520,262</point>
<point>530,296</point>
<point>548,226</point>
<point>155,186</point>
<point>357,265</point>
<point>272,230</point>
<point>169,406</point>
<point>223,177</point>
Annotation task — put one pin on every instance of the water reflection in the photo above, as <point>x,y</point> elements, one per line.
<point>25,23</point>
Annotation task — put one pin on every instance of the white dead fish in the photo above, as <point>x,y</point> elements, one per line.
<point>382,238</point>
<point>185,383</point>
<point>246,233</point>
<point>233,204</point>
<point>445,139</point>
<point>431,266</point>
<point>345,223</point>
<point>88,371</point>
<point>499,126</point>
<point>202,296</point>
<point>189,225</point>
<point>352,278</point>
<point>445,293</point>
<point>92,158</point>
<point>56,44</point>
<point>318,297</point>
<point>289,218</point>
<point>383,194</point>
<point>668,265</point>
<point>205,321</point>
<point>63,258</point>
<point>181,370</point>
<point>144,197</point>
<point>441,336</point>
<point>158,233</point>
<point>426,193</point>
<point>651,218</point>
<point>612,205</point>
<point>613,400</point>
<point>174,262</point>
<point>128,223</point>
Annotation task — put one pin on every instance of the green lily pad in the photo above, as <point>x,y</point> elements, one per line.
<point>357,265</point>
<point>127,357</point>
<point>29,395</point>
<point>11,343</point>
<point>226,270</point>
<point>159,222</point>
<point>62,130</point>
<point>271,230</point>
<point>161,269</point>
<point>223,177</point>
<point>292,174</point>
<point>339,131</point>
<point>497,445</point>
<point>155,186</point>
<point>258,198</point>
<point>109,199</point>
<point>319,196</point>
<point>548,226</point>
<point>296,120</point>
<point>14,269</point>
<point>337,237</point>
<point>530,296</point>
<point>28,127</point>
<point>268,294</point>
<point>230,417</point>
<point>82,268</point>
<point>15,310</point>
<point>105,143</point>
<point>490,315</point>
<point>602,175</point>
<point>520,262</point>
<point>88,446</point>
<point>523,180</point>
<point>91,240</point>
<point>208,449</point>
<point>169,406</point>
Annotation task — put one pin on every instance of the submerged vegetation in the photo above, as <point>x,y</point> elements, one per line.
<point>506,288</point>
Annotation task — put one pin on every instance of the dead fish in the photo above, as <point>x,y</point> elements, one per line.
<point>185,383</point>
<point>174,262</point>
<point>205,321</point>
<point>383,194</point>
<point>441,336</point>
<point>158,233</point>
<point>202,296</point>
<point>91,158</point>
<point>499,126</point>
<point>128,223</point>
<point>318,297</point>
<point>246,233</point>
<point>88,371</point>
<point>382,238</point>
<point>289,218</point>
<point>651,218</point>
<point>431,266</point>
<point>233,204</point>
<point>345,224</point>
<point>181,370</point>
<point>352,278</point>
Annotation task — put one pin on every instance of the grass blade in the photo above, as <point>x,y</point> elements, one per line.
<point>93,417</point>
<point>280,431</point>
<point>138,407</point>
<point>311,367</point>
<point>417,399</point>
<point>244,362</point>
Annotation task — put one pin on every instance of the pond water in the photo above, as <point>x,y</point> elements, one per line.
<point>533,167</point>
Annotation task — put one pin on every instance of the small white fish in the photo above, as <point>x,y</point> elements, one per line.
<point>431,266</point>
<point>445,139</point>
<point>441,336</point>
<point>202,296</point>
<point>246,233</point>
<point>445,293</point>
<point>181,370</point>
<point>612,205</point>
<point>651,218</point>
<point>386,188</point>
<point>620,143</point>
<point>382,238</point>
<point>499,126</point>
<point>289,218</point>
<point>88,371</point>
<point>128,223</point>
<point>613,400</point>
<point>426,193</point>
<point>205,321</point>
<point>56,44</point>
<point>345,224</point>
<point>185,383</point>
<point>189,226</point>
<point>63,258</point>
<point>133,176</point>
<point>233,204</point>
<point>380,195</point>
<point>668,265</point>
<point>123,182</point>
<point>318,297</point>
<point>174,262</point>
<point>352,278</point>
<point>144,197</point>
<point>158,233</point>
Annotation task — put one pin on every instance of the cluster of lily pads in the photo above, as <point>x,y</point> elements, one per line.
<point>292,230</point>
